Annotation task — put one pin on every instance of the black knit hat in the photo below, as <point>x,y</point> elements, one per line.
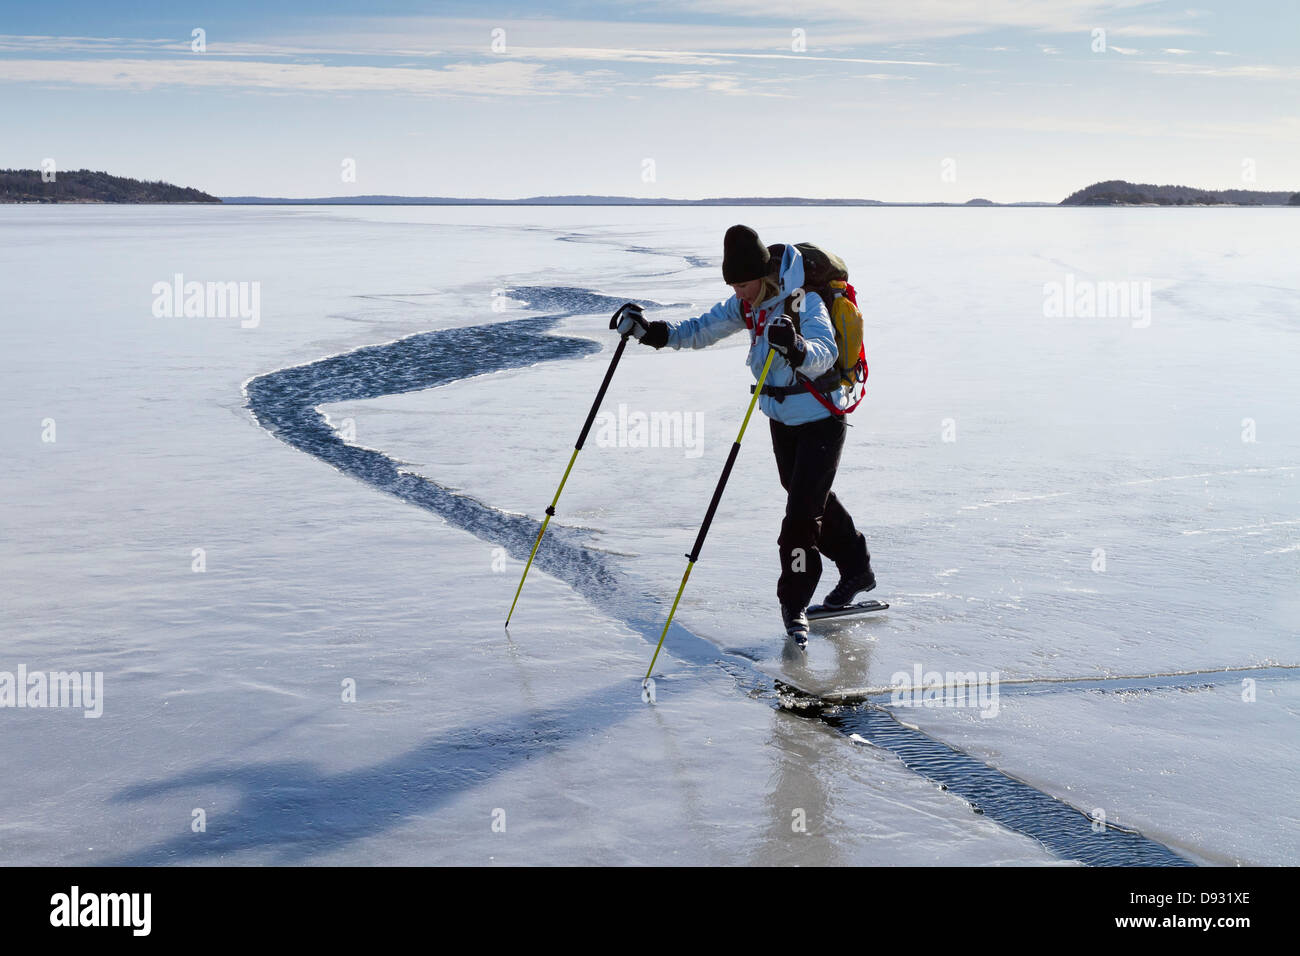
<point>744,257</point>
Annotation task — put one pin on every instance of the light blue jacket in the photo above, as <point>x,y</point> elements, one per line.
<point>727,317</point>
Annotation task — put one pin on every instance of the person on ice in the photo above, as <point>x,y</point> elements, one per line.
<point>807,435</point>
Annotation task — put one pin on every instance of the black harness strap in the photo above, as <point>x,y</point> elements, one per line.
<point>827,382</point>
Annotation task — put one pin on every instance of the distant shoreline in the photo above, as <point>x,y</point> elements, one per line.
<point>352,204</point>
<point>635,205</point>
<point>866,204</point>
<point>668,205</point>
<point>94,187</point>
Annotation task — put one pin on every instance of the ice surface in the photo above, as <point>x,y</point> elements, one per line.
<point>223,688</point>
<point>1197,767</point>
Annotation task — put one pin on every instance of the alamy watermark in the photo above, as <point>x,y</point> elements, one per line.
<point>923,688</point>
<point>1085,299</point>
<point>24,688</point>
<point>128,910</point>
<point>208,300</point>
<point>629,429</point>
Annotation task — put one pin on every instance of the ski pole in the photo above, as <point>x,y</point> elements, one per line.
<point>708,516</point>
<point>550,509</point>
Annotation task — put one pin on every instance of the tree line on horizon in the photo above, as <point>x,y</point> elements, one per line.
<point>1117,192</point>
<point>90,186</point>
<point>84,185</point>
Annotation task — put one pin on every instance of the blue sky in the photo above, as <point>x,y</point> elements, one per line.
<point>894,99</point>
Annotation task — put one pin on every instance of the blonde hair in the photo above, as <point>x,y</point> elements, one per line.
<point>768,289</point>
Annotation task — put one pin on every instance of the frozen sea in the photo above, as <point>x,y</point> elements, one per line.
<point>289,544</point>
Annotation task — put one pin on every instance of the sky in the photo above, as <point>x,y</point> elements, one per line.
<point>895,100</point>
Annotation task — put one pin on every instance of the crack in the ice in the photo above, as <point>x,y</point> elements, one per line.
<point>286,402</point>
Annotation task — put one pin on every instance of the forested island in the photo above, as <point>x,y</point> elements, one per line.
<point>89,186</point>
<point>1117,192</point>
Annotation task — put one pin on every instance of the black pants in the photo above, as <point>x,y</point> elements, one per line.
<point>815,523</point>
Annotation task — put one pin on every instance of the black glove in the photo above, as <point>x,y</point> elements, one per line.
<point>629,320</point>
<point>781,335</point>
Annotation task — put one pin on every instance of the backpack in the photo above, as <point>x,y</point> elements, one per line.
<point>826,274</point>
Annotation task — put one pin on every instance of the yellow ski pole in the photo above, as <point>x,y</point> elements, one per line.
<point>550,509</point>
<point>708,520</point>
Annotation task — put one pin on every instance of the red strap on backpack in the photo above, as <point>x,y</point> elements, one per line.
<point>862,350</point>
<point>851,294</point>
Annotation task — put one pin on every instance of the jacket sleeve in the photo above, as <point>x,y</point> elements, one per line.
<point>819,337</point>
<point>720,321</point>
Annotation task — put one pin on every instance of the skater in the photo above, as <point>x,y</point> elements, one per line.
<point>807,436</point>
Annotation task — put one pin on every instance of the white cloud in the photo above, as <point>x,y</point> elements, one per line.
<point>832,26</point>
<point>713,82</point>
<point>899,20</point>
<point>696,57</point>
<point>1138,30</point>
<point>1257,72</point>
<point>216,47</point>
<point>504,78</point>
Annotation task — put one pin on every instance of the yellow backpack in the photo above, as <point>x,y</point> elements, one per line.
<point>826,274</point>
<point>846,318</point>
